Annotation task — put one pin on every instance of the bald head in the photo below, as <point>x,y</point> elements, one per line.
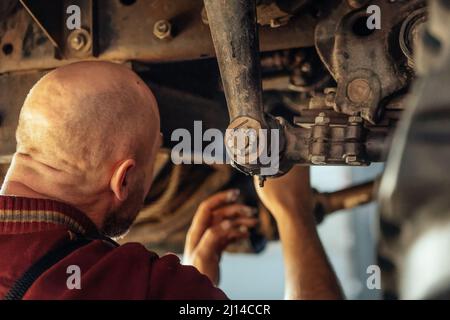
<point>80,116</point>
<point>88,130</point>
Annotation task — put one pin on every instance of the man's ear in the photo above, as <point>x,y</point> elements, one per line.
<point>120,180</point>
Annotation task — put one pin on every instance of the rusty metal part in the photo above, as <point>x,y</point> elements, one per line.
<point>272,15</point>
<point>325,143</point>
<point>329,202</point>
<point>334,141</point>
<point>79,43</point>
<point>372,140</point>
<point>299,70</point>
<point>235,36</point>
<point>367,65</point>
<point>122,34</point>
<point>409,33</point>
<point>234,33</point>
<point>338,142</point>
<point>241,136</point>
<point>68,43</point>
<point>247,142</point>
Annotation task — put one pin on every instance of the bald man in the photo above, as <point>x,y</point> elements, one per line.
<point>87,138</point>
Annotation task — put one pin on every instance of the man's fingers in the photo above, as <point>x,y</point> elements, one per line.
<point>219,236</point>
<point>207,206</point>
<point>219,199</point>
<point>237,235</point>
<point>213,241</point>
<point>203,217</point>
<point>239,223</point>
<point>233,211</point>
<point>216,239</point>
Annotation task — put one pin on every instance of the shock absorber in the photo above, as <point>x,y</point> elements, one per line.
<point>250,138</point>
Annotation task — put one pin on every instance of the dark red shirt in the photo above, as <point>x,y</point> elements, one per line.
<point>29,228</point>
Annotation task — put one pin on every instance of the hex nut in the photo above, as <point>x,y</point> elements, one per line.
<point>162,29</point>
<point>322,119</point>
<point>79,40</point>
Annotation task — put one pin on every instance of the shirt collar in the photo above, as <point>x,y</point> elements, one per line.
<point>20,214</point>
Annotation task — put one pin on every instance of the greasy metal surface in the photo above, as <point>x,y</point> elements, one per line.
<point>52,21</point>
<point>328,142</point>
<point>367,65</point>
<point>125,32</point>
<point>235,37</point>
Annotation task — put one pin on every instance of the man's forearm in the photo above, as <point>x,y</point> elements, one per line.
<point>308,273</point>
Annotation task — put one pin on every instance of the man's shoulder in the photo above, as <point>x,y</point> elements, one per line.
<point>164,276</point>
<point>100,270</point>
<point>132,252</point>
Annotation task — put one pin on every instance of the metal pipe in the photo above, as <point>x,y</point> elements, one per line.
<point>235,36</point>
<point>348,198</point>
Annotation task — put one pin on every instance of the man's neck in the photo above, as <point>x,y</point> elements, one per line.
<point>18,189</point>
<point>27,180</point>
<point>23,176</point>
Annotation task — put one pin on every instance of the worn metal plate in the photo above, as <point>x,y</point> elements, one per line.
<point>125,32</point>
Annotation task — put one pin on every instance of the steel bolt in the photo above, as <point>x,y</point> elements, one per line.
<point>322,119</point>
<point>162,29</point>
<point>249,140</point>
<point>79,40</point>
<point>358,90</point>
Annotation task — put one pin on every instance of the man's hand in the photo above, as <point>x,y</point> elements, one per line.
<point>288,195</point>
<point>218,222</point>
<point>308,274</point>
